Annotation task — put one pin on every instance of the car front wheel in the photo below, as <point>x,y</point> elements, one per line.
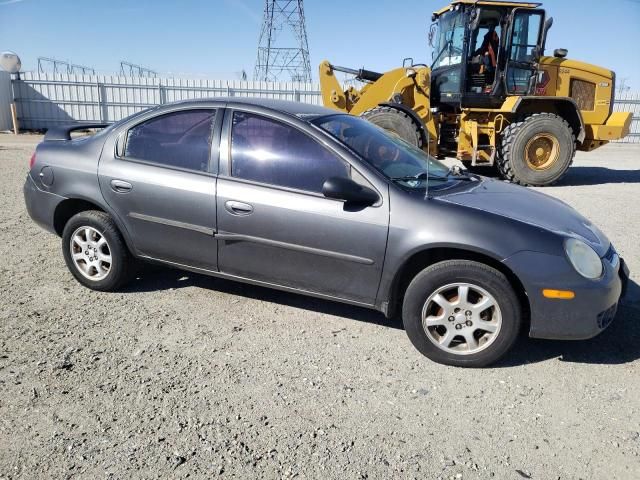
<point>95,252</point>
<point>461,313</point>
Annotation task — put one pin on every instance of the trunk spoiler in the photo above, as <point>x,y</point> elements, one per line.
<point>63,132</point>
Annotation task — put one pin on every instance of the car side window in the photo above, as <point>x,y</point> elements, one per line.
<point>178,139</point>
<point>268,151</point>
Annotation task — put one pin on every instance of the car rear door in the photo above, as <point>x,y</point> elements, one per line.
<point>275,226</point>
<point>159,178</point>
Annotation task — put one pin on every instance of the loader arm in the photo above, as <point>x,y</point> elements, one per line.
<point>333,96</point>
<point>404,89</point>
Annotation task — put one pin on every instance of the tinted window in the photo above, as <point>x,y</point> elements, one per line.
<point>268,151</point>
<point>394,158</point>
<point>179,139</point>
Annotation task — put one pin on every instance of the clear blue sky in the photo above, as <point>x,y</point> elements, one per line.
<point>218,38</point>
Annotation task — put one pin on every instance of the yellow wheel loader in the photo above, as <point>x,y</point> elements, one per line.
<point>490,97</point>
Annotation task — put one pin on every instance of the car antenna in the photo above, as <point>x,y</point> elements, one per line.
<point>426,191</point>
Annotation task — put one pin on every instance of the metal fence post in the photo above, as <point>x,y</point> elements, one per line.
<point>14,103</point>
<point>102,102</point>
<point>162,93</point>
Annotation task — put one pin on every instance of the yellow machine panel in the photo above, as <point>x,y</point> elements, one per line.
<point>592,88</point>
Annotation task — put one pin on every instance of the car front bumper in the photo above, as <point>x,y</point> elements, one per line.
<point>586,315</point>
<point>41,205</point>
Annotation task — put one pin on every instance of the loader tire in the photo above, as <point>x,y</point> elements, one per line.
<point>536,150</point>
<point>397,122</point>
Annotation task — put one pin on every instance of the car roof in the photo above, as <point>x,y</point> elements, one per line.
<point>303,110</point>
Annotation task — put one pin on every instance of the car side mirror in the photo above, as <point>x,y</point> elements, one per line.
<point>341,188</point>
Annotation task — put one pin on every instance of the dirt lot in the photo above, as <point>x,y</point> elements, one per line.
<point>187,376</point>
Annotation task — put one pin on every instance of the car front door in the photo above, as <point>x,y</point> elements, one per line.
<point>159,179</point>
<point>274,224</point>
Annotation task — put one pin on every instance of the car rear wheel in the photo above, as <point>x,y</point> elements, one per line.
<point>95,252</point>
<point>461,313</point>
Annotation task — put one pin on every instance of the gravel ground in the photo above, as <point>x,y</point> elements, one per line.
<point>183,375</point>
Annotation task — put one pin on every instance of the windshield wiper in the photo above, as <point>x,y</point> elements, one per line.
<point>420,176</point>
<point>446,45</point>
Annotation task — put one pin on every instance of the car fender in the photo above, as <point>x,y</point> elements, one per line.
<point>422,225</point>
<point>75,167</point>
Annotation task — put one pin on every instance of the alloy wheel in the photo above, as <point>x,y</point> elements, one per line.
<point>461,318</point>
<point>90,253</point>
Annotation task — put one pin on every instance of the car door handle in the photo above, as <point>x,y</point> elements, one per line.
<point>238,208</point>
<point>120,186</point>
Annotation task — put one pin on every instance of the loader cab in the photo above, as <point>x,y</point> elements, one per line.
<point>483,52</point>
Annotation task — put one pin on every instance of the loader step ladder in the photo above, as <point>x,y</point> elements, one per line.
<point>476,146</point>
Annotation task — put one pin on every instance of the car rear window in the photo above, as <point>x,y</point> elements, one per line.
<point>178,139</point>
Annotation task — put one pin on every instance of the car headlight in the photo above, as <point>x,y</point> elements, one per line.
<point>583,258</point>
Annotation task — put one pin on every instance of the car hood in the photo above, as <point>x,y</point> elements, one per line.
<point>528,206</point>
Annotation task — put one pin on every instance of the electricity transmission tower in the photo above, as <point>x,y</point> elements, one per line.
<point>283,52</point>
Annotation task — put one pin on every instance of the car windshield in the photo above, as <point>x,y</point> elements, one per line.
<point>394,158</point>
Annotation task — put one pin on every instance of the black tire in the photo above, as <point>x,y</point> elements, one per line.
<point>511,159</point>
<point>395,121</point>
<point>444,273</point>
<point>122,263</point>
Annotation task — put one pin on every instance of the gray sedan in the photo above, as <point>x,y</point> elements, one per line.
<point>304,199</point>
